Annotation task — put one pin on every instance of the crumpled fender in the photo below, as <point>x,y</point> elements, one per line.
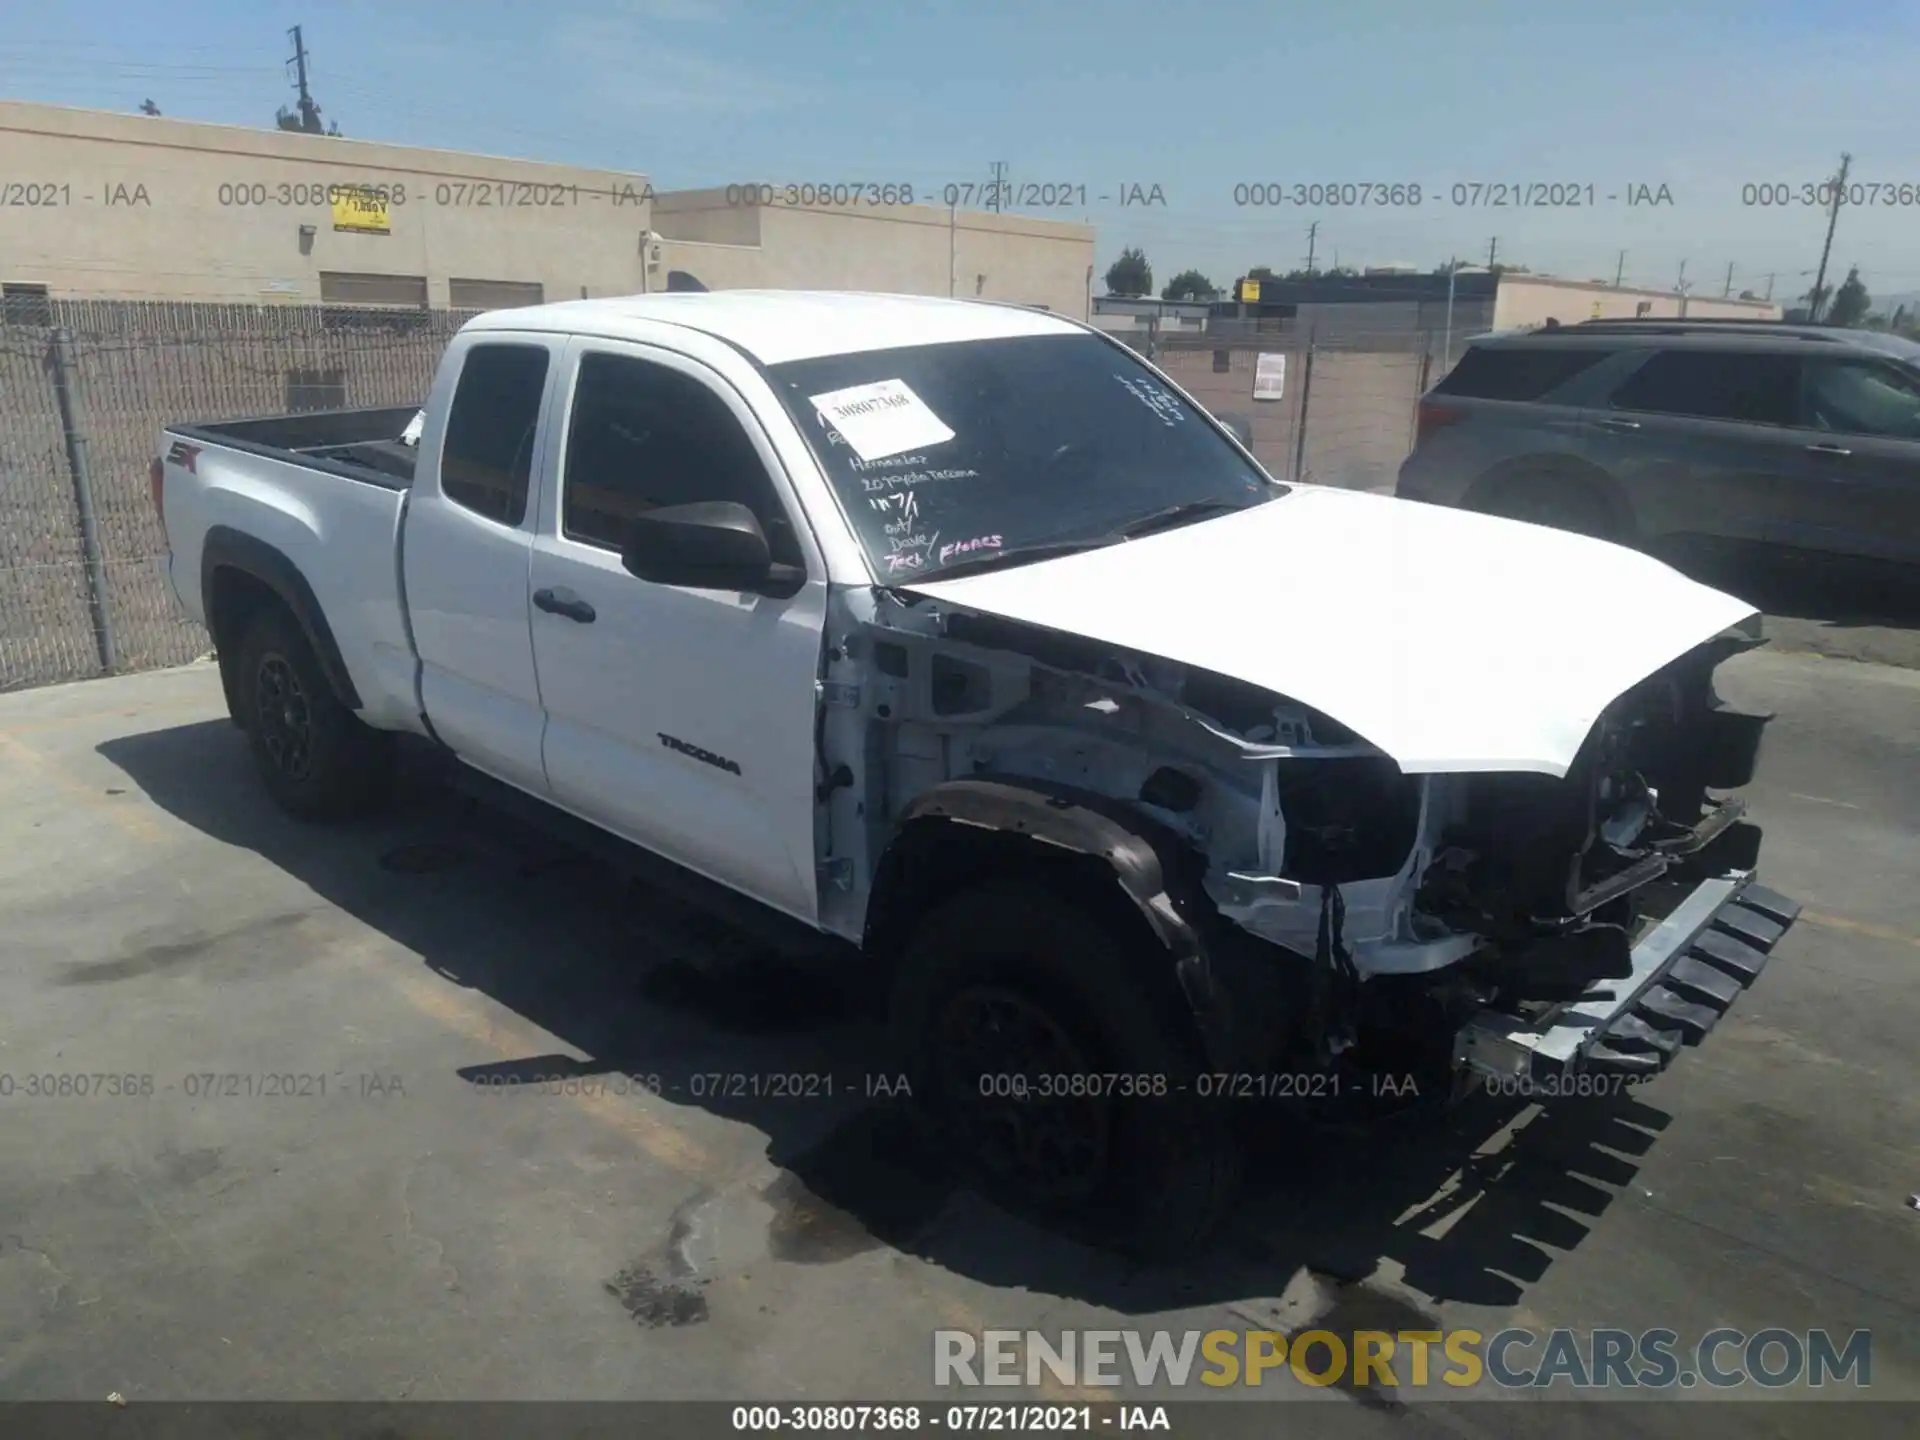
<point>1088,824</point>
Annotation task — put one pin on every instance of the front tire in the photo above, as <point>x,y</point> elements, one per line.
<point>1008,1001</point>
<point>315,756</point>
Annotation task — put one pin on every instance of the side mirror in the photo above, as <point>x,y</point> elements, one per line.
<point>710,545</point>
<point>1239,426</point>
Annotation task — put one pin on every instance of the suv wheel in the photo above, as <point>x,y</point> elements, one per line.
<point>1562,504</point>
<point>1048,1076</point>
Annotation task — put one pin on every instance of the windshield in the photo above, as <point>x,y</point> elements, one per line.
<point>947,454</point>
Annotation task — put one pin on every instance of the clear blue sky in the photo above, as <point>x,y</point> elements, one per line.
<point>1194,97</point>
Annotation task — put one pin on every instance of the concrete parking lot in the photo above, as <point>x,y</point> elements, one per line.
<point>308,1162</point>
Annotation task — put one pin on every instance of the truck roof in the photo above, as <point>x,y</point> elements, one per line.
<point>779,325</point>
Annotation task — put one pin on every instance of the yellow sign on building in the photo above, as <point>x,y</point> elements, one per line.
<point>363,211</point>
<point>1249,292</point>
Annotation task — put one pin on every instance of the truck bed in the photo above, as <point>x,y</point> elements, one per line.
<point>361,445</point>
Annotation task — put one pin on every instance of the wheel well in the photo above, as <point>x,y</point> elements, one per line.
<point>234,598</point>
<point>935,859</point>
<point>1563,470</point>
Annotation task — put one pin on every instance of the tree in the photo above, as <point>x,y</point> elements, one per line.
<point>1851,301</point>
<point>1749,295</point>
<point>1188,285</point>
<point>147,107</point>
<point>1130,275</point>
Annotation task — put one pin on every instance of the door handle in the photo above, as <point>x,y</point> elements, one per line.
<point>1828,450</point>
<point>1610,423</point>
<point>564,602</point>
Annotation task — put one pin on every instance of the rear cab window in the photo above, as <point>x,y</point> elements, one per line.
<point>486,460</point>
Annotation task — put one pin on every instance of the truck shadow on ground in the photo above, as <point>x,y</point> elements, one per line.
<point>1468,1208</point>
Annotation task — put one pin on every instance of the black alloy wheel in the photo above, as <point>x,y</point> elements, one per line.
<point>1007,1076</point>
<point>284,717</point>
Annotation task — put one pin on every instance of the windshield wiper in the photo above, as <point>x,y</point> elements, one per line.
<point>1172,514</point>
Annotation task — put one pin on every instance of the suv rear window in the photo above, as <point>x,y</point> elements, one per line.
<point>1517,372</point>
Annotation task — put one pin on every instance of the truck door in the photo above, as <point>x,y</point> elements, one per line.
<point>680,718</point>
<point>465,549</point>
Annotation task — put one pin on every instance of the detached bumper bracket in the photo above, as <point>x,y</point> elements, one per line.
<point>1749,925</point>
<point>1739,959</point>
<point>1770,903</point>
<point>1672,1009</point>
<point>1686,973</point>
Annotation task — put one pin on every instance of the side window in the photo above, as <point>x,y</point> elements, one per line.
<point>1488,372</point>
<point>1860,397</point>
<point>488,455</point>
<point>645,435</point>
<point>1709,385</point>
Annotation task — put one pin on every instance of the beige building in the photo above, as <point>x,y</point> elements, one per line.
<point>727,239</point>
<point>100,205</point>
<point>1524,301</point>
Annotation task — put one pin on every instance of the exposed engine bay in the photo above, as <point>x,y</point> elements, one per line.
<point>1476,889</point>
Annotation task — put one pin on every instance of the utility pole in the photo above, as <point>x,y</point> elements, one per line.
<point>1312,231</point>
<point>1493,249</point>
<point>1680,288</point>
<point>1619,269</point>
<point>951,272</point>
<point>1729,290</point>
<point>309,112</point>
<point>1833,219</point>
<point>999,183</point>
<point>1770,275</point>
<point>1446,350</point>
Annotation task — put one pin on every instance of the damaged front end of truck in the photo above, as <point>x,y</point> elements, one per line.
<point>1325,908</point>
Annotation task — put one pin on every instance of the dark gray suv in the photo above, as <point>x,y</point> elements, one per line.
<point>1654,432</point>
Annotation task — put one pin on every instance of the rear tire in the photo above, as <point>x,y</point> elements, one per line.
<point>1007,988</point>
<point>1555,501</point>
<point>315,756</point>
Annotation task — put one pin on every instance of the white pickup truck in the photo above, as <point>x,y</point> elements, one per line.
<point>955,639</point>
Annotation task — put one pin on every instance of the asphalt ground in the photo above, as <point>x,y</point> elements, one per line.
<point>328,1165</point>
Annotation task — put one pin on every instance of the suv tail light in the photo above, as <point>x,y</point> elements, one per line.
<point>157,481</point>
<point>1434,417</point>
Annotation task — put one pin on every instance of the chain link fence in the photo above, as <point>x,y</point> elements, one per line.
<point>1347,403</point>
<point>85,389</point>
<point>87,386</point>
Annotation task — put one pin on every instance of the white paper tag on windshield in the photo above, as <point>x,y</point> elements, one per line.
<point>881,419</point>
